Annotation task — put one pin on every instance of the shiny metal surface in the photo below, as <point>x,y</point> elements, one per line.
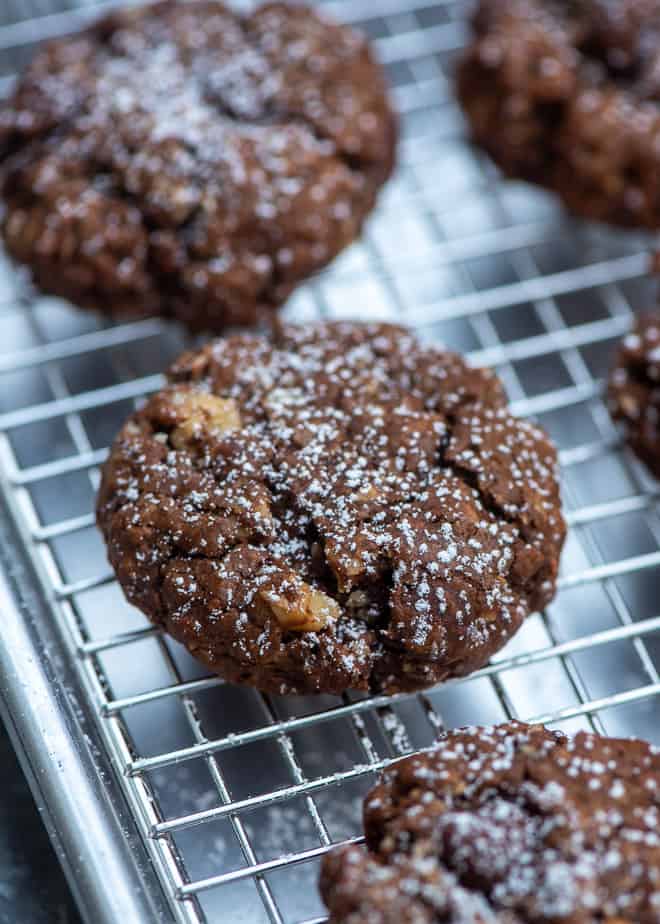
<point>45,714</point>
<point>235,796</point>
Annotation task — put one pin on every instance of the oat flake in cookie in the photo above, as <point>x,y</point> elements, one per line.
<point>634,390</point>
<point>341,507</point>
<point>507,825</point>
<point>183,160</point>
<point>566,94</point>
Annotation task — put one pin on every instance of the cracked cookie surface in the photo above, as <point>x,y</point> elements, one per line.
<point>338,508</point>
<point>513,824</point>
<point>180,159</point>
<point>634,390</point>
<point>565,94</point>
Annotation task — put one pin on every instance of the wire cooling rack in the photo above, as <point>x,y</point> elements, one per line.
<point>173,796</point>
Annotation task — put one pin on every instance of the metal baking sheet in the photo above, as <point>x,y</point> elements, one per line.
<point>174,797</point>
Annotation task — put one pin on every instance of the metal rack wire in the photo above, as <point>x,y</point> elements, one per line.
<point>234,795</point>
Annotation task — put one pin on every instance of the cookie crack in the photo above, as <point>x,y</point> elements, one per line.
<point>354,163</point>
<point>471,480</point>
<point>174,554</point>
<point>345,506</point>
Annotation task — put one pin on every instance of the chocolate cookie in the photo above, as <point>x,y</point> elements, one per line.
<point>634,390</point>
<point>180,159</point>
<point>341,507</point>
<point>567,95</point>
<point>508,825</point>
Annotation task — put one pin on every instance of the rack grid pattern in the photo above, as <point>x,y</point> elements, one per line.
<point>238,795</point>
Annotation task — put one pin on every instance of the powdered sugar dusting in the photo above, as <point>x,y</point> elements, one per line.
<point>191,160</point>
<point>504,824</point>
<point>634,392</point>
<point>343,480</point>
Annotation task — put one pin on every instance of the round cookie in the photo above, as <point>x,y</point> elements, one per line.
<point>634,390</point>
<point>507,825</point>
<point>339,508</point>
<point>566,95</point>
<point>183,160</point>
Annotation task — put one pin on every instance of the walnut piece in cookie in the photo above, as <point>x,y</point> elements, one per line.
<point>338,507</point>
<point>513,824</point>
<point>566,95</point>
<point>189,161</point>
<point>634,390</point>
<point>299,608</point>
<point>204,414</point>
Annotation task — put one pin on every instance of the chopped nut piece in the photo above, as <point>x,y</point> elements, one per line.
<point>204,414</point>
<point>629,405</point>
<point>310,610</point>
<point>366,493</point>
<point>346,569</point>
<point>261,509</point>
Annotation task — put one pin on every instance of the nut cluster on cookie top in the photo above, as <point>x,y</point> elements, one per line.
<point>634,389</point>
<point>339,507</point>
<point>184,160</point>
<point>514,824</point>
<point>565,94</point>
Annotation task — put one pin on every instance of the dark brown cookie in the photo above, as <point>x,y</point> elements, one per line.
<point>634,390</point>
<point>339,508</point>
<point>182,160</point>
<point>508,825</point>
<point>566,94</point>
